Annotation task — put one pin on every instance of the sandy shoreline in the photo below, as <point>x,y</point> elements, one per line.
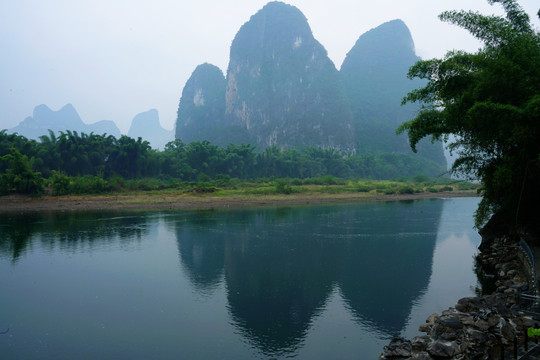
<point>19,203</point>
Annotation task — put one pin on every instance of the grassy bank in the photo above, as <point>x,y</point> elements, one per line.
<point>236,193</point>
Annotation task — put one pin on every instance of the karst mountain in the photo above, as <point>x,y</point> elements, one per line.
<point>282,89</point>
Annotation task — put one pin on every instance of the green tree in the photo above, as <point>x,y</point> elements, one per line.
<point>203,157</point>
<point>19,175</point>
<point>490,101</point>
<point>174,160</point>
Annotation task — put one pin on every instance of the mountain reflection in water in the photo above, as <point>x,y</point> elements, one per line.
<point>305,282</point>
<point>281,265</point>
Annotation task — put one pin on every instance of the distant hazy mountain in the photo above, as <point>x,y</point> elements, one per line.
<point>281,89</point>
<point>374,74</point>
<point>146,126</point>
<point>67,118</point>
<point>103,127</point>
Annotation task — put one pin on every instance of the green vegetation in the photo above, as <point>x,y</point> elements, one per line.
<point>490,101</point>
<point>94,185</point>
<point>19,175</point>
<point>94,164</point>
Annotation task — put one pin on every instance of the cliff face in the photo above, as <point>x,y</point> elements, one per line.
<point>201,111</point>
<point>374,74</point>
<point>282,87</point>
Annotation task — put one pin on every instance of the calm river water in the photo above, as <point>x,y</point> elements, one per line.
<point>317,282</point>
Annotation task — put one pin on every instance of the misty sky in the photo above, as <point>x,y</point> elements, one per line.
<point>113,59</point>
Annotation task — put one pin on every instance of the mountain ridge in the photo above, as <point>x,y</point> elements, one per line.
<point>66,118</point>
<point>283,90</point>
<point>281,87</point>
<point>145,125</point>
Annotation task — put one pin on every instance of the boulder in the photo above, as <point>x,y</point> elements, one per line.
<point>398,347</point>
<point>443,349</point>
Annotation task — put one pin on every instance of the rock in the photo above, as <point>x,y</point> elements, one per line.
<point>425,328</point>
<point>512,273</point>
<point>493,320</point>
<point>481,325</point>
<point>420,343</point>
<point>468,321</point>
<point>451,321</point>
<point>476,326</point>
<point>430,321</point>
<point>398,347</point>
<point>477,335</point>
<point>432,318</point>
<point>448,327</point>
<point>469,304</point>
<point>421,356</point>
<point>506,331</point>
<point>443,349</point>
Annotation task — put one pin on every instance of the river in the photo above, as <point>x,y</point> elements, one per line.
<point>303,282</point>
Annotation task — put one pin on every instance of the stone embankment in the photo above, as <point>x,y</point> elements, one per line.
<point>477,327</point>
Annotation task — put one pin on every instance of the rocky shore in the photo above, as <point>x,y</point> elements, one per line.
<point>478,327</point>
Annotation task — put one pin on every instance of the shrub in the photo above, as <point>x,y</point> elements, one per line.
<point>420,178</point>
<point>282,187</point>
<point>116,183</point>
<point>406,190</point>
<point>149,184</point>
<point>204,188</point>
<point>59,183</point>
<point>222,180</point>
<point>87,184</point>
<point>202,177</point>
<point>296,182</point>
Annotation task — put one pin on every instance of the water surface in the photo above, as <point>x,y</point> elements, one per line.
<point>314,282</point>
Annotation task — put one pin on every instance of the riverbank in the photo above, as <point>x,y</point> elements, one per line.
<point>141,201</point>
<point>483,327</point>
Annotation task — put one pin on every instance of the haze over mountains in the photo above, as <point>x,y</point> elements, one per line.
<point>374,76</point>
<point>282,89</point>
<point>44,119</point>
<point>145,125</point>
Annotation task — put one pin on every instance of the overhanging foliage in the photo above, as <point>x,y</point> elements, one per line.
<point>490,101</point>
